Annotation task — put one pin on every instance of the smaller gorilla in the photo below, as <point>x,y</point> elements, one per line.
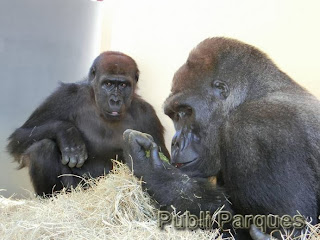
<point>78,129</point>
<point>241,119</point>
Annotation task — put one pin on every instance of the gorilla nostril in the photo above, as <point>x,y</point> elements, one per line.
<point>181,114</point>
<point>115,102</point>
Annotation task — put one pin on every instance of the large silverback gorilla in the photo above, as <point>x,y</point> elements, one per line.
<point>78,129</point>
<point>240,118</point>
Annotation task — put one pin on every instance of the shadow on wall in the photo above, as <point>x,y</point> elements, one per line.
<point>41,44</point>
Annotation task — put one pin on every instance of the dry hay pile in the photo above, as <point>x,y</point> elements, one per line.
<point>115,207</point>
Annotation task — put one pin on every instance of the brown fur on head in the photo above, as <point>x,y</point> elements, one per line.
<point>203,60</point>
<point>116,63</point>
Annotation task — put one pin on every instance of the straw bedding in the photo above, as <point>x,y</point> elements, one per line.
<point>114,207</point>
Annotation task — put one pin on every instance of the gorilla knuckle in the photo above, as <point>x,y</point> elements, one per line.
<point>146,135</point>
<point>132,135</point>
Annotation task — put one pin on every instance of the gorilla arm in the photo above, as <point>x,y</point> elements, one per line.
<point>152,125</point>
<point>51,120</point>
<point>167,184</point>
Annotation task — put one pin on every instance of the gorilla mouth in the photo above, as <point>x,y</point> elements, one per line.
<point>184,164</point>
<point>178,165</point>
<point>114,114</point>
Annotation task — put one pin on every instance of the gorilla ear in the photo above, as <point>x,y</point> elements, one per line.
<point>137,76</point>
<point>221,89</point>
<point>92,73</point>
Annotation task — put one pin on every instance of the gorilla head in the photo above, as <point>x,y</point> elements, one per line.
<point>218,76</point>
<point>113,76</point>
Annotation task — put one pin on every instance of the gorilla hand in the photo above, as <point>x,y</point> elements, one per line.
<point>185,193</point>
<point>72,147</point>
<point>136,145</point>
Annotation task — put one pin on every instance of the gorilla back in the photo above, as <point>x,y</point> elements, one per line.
<point>78,129</point>
<point>240,118</point>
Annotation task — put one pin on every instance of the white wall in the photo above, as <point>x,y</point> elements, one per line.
<point>41,43</point>
<point>160,34</point>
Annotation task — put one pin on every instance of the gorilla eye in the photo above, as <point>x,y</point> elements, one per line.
<point>106,85</point>
<point>218,84</point>
<point>188,111</point>
<point>185,111</point>
<point>123,85</point>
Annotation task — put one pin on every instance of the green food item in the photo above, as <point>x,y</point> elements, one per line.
<point>161,155</point>
<point>148,153</point>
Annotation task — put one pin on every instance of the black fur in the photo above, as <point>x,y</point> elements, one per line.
<point>240,118</point>
<point>78,129</point>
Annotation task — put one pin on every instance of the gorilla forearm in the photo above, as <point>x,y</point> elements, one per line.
<point>23,137</point>
<point>170,187</point>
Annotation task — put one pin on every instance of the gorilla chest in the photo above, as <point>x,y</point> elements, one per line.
<point>103,139</point>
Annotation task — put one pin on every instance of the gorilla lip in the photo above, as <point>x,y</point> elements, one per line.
<point>180,164</point>
<point>114,114</point>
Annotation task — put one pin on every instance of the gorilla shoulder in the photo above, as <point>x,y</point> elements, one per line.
<point>141,107</point>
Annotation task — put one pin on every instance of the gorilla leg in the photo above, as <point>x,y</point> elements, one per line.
<point>44,161</point>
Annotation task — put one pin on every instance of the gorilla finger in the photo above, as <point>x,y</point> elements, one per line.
<point>126,134</point>
<point>80,162</point>
<point>73,161</point>
<point>84,154</point>
<point>148,136</point>
<point>65,159</point>
<point>141,139</point>
<point>154,155</point>
<point>135,145</point>
<point>129,161</point>
<point>256,234</point>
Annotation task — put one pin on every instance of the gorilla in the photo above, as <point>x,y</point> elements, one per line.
<point>238,117</point>
<point>78,129</point>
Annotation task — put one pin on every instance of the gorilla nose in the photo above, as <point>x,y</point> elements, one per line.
<point>115,102</point>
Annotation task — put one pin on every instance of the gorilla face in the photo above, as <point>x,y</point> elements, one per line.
<point>113,95</point>
<point>194,110</point>
<point>113,78</point>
